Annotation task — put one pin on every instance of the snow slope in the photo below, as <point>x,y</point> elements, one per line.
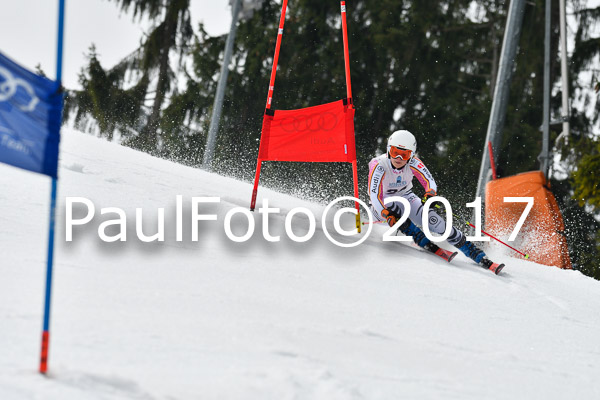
<point>215,319</point>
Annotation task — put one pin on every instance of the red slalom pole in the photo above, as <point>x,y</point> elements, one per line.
<point>255,188</point>
<point>350,105</point>
<point>276,56</point>
<point>269,98</point>
<point>492,162</point>
<point>346,57</point>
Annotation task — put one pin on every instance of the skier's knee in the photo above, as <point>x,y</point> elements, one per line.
<point>461,242</point>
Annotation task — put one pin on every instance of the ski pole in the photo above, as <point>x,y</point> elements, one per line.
<point>485,233</point>
<point>374,222</point>
<point>495,238</point>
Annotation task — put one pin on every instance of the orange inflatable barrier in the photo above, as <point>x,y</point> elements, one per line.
<point>542,235</point>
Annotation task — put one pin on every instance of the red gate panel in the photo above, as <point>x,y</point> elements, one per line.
<point>323,133</point>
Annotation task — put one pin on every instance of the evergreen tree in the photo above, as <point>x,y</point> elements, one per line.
<point>585,147</point>
<point>150,65</point>
<point>103,99</point>
<point>173,32</point>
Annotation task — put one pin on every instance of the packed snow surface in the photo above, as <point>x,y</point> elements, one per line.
<point>217,319</point>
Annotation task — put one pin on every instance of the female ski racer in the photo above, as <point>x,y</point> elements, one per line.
<point>391,174</point>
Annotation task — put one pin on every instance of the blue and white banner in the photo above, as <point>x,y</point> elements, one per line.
<point>30,119</point>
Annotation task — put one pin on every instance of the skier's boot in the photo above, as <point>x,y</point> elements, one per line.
<point>492,266</point>
<point>470,250</point>
<point>477,255</point>
<point>410,229</point>
<point>445,254</point>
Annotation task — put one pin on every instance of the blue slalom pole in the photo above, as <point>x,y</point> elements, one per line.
<point>46,328</point>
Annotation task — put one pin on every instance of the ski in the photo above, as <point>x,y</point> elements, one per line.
<point>492,266</point>
<point>435,249</point>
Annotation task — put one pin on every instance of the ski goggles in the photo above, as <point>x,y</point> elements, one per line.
<point>398,152</point>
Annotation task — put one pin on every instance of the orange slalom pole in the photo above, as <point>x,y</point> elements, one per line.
<point>276,56</point>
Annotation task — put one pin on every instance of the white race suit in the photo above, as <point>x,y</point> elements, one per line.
<point>386,181</point>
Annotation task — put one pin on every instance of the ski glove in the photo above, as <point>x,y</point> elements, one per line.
<point>392,214</point>
<point>428,194</point>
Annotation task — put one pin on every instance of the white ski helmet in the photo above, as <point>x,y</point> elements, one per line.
<point>402,139</point>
